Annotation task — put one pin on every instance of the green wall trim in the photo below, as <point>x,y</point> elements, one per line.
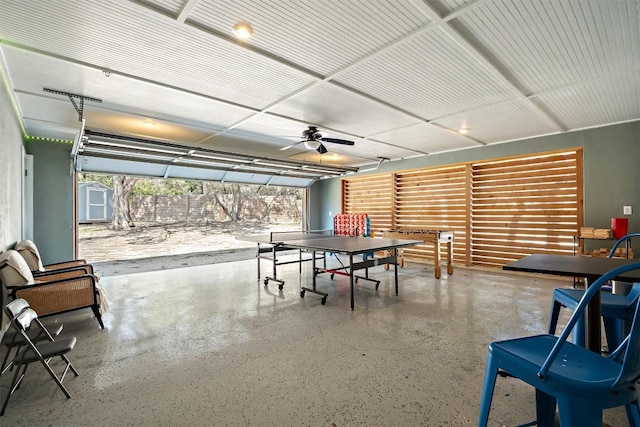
<point>28,138</point>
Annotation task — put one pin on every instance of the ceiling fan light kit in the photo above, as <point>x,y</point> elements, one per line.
<point>312,144</point>
<point>312,140</point>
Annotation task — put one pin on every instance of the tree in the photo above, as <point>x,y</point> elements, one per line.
<point>234,208</point>
<point>122,186</point>
<point>105,180</point>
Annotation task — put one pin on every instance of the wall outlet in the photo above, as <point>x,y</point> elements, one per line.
<point>626,210</point>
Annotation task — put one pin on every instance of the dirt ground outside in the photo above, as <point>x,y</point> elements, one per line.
<point>99,243</point>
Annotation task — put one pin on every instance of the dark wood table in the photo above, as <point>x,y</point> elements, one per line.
<point>590,268</point>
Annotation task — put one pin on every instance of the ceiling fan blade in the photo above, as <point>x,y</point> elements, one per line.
<point>337,141</point>
<point>321,149</point>
<point>291,146</point>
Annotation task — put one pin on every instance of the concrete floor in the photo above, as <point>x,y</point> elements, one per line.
<point>211,346</point>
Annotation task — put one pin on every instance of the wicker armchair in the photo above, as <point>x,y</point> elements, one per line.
<point>31,255</point>
<point>54,292</point>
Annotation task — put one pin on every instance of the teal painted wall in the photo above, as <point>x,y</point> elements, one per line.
<point>52,200</point>
<point>611,168</point>
<point>324,196</point>
<point>612,175</point>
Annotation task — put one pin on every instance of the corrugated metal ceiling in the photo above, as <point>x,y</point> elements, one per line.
<point>399,78</point>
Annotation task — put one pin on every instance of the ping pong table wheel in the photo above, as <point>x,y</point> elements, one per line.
<point>301,294</point>
<point>332,276</point>
<point>281,286</point>
<point>323,301</point>
<point>377,285</point>
<point>266,282</point>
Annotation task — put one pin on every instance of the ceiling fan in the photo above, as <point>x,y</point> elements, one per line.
<point>313,139</point>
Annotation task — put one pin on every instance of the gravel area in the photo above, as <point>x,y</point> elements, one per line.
<point>149,247</point>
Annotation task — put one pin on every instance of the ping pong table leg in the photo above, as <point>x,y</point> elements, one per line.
<point>258,259</point>
<point>304,289</point>
<point>275,262</point>
<point>351,278</point>
<point>395,273</point>
<point>315,272</point>
<point>436,258</point>
<point>450,257</point>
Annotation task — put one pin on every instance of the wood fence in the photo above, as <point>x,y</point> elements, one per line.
<point>205,208</point>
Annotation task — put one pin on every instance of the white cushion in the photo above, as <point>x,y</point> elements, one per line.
<point>29,252</point>
<point>16,272</point>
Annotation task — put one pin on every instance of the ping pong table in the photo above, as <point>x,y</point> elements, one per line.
<point>324,242</point>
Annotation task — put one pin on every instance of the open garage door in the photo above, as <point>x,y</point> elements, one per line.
<point>100,152</point>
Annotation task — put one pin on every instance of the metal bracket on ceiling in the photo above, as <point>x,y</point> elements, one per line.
<point>72,96</point>
<point>380,160</point>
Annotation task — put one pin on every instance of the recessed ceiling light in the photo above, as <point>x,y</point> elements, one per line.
<point>242,30</point>
<point>463,131</point>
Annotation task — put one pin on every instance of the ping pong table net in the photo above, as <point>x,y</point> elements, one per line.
<point>354,224</point>
<point>286,236</point>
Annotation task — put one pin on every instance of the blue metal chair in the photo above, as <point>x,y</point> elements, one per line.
<point>617,310</point>
<point>580,382</point>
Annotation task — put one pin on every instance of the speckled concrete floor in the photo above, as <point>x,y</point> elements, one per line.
<point>211,346</point>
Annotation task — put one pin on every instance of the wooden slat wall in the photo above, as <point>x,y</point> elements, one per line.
<point>499,210</point>
<point>431,199</point>
<point>523,206</point>
<point>371,195</point>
